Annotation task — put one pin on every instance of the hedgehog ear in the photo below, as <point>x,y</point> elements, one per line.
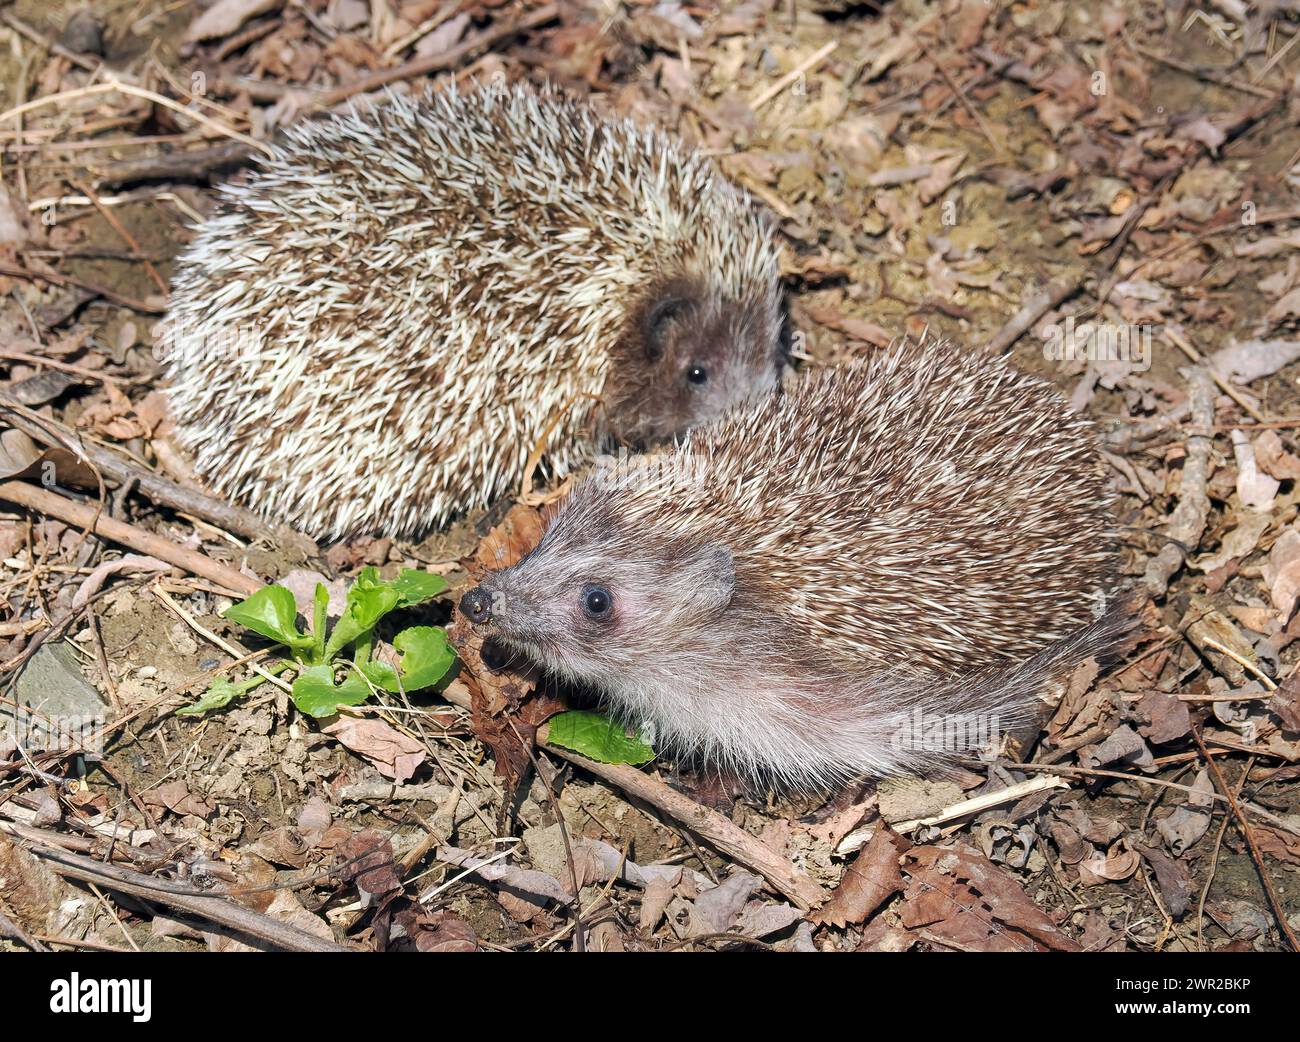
<point>713,570</point>
<point>659,318</point>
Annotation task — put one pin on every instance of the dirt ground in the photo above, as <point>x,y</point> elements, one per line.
<point>984,170</point>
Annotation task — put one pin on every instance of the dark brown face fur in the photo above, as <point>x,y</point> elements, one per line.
<point>687,354</point>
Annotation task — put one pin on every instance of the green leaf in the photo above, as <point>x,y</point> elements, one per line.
<point>367,604</point>
<point>272,613</point>
<point>598,738</point>
<point>222,691</point>
<point>219,694</point>
<point>316,694</point>
<point>426,657</point>
<point>415,587</point>
<point>320,610</point>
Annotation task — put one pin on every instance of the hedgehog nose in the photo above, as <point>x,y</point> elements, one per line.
<point>476,605</point>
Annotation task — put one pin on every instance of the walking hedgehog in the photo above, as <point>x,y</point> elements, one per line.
<point>789,592</point>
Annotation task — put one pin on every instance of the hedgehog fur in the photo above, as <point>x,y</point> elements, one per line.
<point>381,324</point>
<point>928,531</point>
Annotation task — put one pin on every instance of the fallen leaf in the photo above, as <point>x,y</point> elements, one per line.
<point>868,882</point>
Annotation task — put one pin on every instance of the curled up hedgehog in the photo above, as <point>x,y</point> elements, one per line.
<point>806,590</point>
<point>384,321</point>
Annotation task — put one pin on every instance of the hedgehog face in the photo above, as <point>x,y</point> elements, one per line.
<point>586,607</point>
<point>689,355</point>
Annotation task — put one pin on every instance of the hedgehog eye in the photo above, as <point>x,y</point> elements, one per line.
<point>658,322</point>
<point>596,602</point>
<point>697,374</point>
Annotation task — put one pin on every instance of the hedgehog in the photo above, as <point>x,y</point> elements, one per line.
<point>383,322</point>
<point>803,591</point>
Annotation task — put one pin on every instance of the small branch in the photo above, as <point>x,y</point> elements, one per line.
<point>1187,522</point>
<point>121,87</point>
<point>1278,911</point>
<point>84,516</point>
<point>438,62</point>
<point>158,489</point>
<point>975,805</point>
<point>191,164</point>
<point>811,62</point>
<point>717,831</point>
<point>16,272</point>
<point>1061,290</point>
<point>214,909</point>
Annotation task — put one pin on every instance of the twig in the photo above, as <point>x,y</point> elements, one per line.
<point>117,226</point>
<point>157,488</point>
<point>1214,861</point>
<point>977,804</point>
<point>53,46</point>
<point>1062,289</point>
<point>717,831</point>
<point>214,909</point>
<point>118,86</point>
<point>422,30</point>
<point>1278,911</point>
<point>1202,74</point>
<point>196,163</point>
<point>579,935</point>
<point>16,272</point>
<point>438,62</point>
<point>1187,522</point>
<point>84,516</point>
<point>772,90</point>
<point>226,646</point>
<point>1096,772</point>
<point>54,363</point>
<point>9,928</point>
<point>960,94</point>
<point>1179,341</point>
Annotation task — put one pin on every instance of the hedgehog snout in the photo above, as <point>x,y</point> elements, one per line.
<point>476,605</point>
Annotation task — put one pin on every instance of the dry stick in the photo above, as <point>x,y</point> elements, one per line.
<point>125,235</point>
<point>438,62</point>
<point>1187,522</point>
<point>579,935</point>
<point>118,86</point>
<point>53,46</point>
<point>1278,911</point>
<point>771,91</point>
<point>196,163</point>
<point>1214,860</point>
<point>710,826</point>
<point>1062,289</point>
<point>65,367</point>
<point>83,515</point>
<point>1096,772</point>
<point>239,654</point>
<point>1210,75</point>
<point>1179,341</point>
<point>157,488</point>
<point>16,272</point>
<point>201,162</point>
<point>858,838</point>
<point>214,909</point>
<point>720,833</point>
<point>9,928</point>
<point>960,94</point>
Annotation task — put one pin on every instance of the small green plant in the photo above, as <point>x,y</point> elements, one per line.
<point>598,738</point>
<point>319,657</point>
